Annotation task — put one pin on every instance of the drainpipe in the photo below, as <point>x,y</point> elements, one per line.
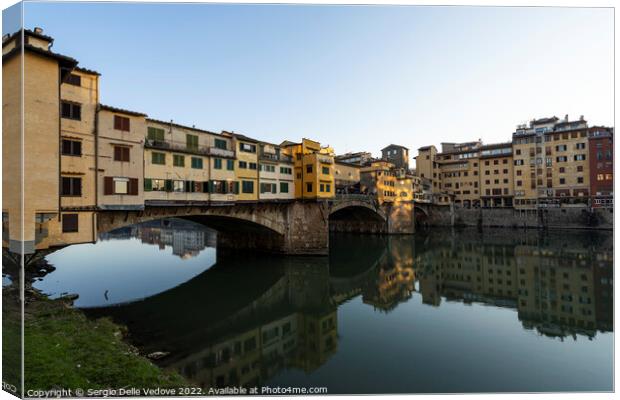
<point>96,164</point>
<point>59,143</point>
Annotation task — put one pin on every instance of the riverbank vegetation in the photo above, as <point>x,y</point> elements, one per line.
<point>65,349</point>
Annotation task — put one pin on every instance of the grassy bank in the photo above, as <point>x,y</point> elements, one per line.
<point>64,349</point>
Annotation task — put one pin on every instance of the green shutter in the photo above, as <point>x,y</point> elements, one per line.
<point>148,184</point>
<point>236,187</point>
<point>169,186</point>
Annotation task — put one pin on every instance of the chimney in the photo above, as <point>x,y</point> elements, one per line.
<point>566,118</point>
<point>581,118</point>
<point>38,30</point>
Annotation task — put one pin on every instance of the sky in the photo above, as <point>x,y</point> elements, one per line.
<point>354,77</point>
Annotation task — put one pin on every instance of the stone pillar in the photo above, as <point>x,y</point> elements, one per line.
<point>307,230</point>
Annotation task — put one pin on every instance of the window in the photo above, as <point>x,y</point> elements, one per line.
<point>562,170</point>
<point>562,159</point>
<point>69,222</point>
<point>71,110</point>
<point>121,185</point>
<point>580,168</point>
<point>580,179</point>
<point>178,186</point>
<point>74,80</point>
<point>247,187</point>
<point>243,164</point>
<point>196,162</point>
<point>309,169</point>
<point>609,177</point>
<point>286,170</point>
<point>580,146</point>
<point>71,147</point>
<point>268,188</point>
<point>156,185</point>
<point>518,152</point>
<point>321,187</point>
<point>519,172</point>
<point>580,157</point>
<point>191,142</point>
<point>562,181</point>
<point>220,144</point>
<point>178,160</point>
<point>121,123</point>
<point>248,148</point>
<point>560,147</point>
<point>283,187</point>
<point>71,186</point>
<point>252,165</point>
<point>518,162</point>
<point>328,188</point>
<point>519,183</point>
<point>600,177</point>
<point>308,187</point>
<point>230,165</point>
<point>155,134</point>
<point>158,158</point>
<point>217,163</point>
<point>325,170</point>
<point>121,153</point>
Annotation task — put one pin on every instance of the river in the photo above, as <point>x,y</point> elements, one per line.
<point>439,312</point>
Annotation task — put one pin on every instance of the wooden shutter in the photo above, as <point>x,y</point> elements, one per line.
<point>169,185</point>
<point>65,189</point>
<point>148,184</point>
<point>133,187</point>
<point>117,153</point>
<point>108,185</point>
<point>126,154</point>
<point>77,148</point>
<point>77,187</point>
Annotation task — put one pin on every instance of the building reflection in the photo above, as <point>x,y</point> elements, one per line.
<point>561,285</point>
<point>245,320</point>
<point>187,239</point>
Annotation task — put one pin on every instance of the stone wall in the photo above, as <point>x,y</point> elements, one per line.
<point>552,218</point>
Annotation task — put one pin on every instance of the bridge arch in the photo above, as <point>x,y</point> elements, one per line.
<point>357,216</point>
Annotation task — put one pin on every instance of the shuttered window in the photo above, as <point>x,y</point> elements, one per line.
<point>69,222</point>
<point>191,142</point>
<point>120,186</point>
<point>121,153</point>
<point>71,110</point>
<point>178,160</point>
<point>196,162</point>
<point>158,158</point>
<point>155,134</point>
<point>121,123</point>
<point>71,186</point>
<point>71,147</point>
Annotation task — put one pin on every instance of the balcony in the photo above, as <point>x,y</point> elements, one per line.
<point>183,147</point>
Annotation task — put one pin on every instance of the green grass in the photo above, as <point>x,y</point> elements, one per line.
<point>64,349</point>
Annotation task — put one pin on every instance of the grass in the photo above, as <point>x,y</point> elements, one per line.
<point>64,349</point>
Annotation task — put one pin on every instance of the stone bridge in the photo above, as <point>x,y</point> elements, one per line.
<point>295,227</point>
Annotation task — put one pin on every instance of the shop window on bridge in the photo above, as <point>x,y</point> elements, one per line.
<point>178,186</point>
<point>268,188</point>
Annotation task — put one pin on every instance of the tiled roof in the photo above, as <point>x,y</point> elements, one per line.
<point>121,110</point>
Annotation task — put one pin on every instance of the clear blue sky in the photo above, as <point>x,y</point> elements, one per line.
<point>354,77</point>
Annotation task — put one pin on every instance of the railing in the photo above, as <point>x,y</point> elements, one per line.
<point>184,147</point>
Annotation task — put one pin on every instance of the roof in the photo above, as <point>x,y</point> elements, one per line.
<point>425,147</point>
<point>396,146</point>
<point>288,143</point>
<point>87,71</point>
<point>495,145</point>
<point>242,137</point>
<point>29,33</point>
<point>120,110</point>
<point>348,164</point>
<point>170,123</point>
<point>544,120</point>
<point>65,62</point>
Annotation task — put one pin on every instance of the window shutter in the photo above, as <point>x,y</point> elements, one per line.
<point>148,184</point>
<point>133,187</point>
<point>108,185</point>
<point>77,186</point>
<point>211,186</point>
<point>77,148</point>
<point>117,153</point>
<point>117,122</point>
<point>70,223</point>
<point>126,154</point>
<point>189,187</point>
<point>77,112</point>
<point>66,186</point>
<point>236,187</point>
<point>169,186</point>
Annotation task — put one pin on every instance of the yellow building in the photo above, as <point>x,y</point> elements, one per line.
<point>459,172</point>
<point>550,163</point>
<point>31,89</point>
<point>426,166</point>
<point>120,159</point>
<point>184,164</point>
<point>379,179</point>
<point>247,166</point>
<point>314,165</point>
<point>496,175</point>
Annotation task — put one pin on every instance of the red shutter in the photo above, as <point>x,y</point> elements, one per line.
<point>126,124</point>
<point>133,187</point>
<point>108,185</point>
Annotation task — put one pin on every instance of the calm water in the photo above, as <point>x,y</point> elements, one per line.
<point>449,311</point>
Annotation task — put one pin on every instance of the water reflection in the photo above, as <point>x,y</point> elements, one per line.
<point>380,310</point>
